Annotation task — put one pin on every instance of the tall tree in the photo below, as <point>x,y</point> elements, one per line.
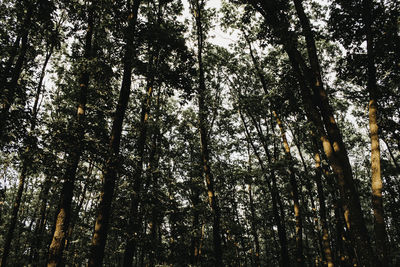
<point>198,9</point>
<point>112,163</point>
<point>376,179</point>
<point>55,257</point>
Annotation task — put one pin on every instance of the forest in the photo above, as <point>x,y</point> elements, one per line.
<point>200,133</point>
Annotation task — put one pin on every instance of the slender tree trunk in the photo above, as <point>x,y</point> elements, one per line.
<point>75,214</point>
<point>40,223</point>
<point>376,179</point>
<point>322,211</point>
<point>254,227</point>
<point>294,193</point>
<point>311,197</point>
<point>133,224</point>
<point>154,177</point>
<point>198,7</point>
<point>55,257</point>
<point>36,107</point>
<point>196,229</point>
<point>14,217</point>
<point>277,205</point>
<point>112,163</point>
<point>295,196</point>
<point>33,257</point>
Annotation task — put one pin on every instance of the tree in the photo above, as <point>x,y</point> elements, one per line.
<point>64,213</point>
<point>198,13</point>
<point>111,167</point>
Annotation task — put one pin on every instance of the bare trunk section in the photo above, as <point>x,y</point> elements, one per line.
<point>195,198</point>
<point>277,205</point>
<point>295,195</point>
<point>55,257</point>
<point>75,213</point>
<point>308,185</point>
<point>381,237</point>
<point>195,251</point>
<point>99,237</point>
<point>154,177</point>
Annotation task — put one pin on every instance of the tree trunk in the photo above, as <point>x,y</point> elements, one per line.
<point>273,189</point>
<point>133,223</point>
<point>40,223</point>
<point>55,257</point>
<point>295,195</point>
<point>308,185</point>
<point>75,214</point>
<point>112,163</point>
<point>198,7</point>
<point>254,228</point>
<point>196,229</point>
<point>376,179</point>
<point>14,216</point>
<point>322,211</point>
<point>154,179</point>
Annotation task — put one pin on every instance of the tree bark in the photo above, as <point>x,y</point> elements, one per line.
<point>357,225</point>
<point>112,163</point>
<point>154,179</point>
<point>294,187</point>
